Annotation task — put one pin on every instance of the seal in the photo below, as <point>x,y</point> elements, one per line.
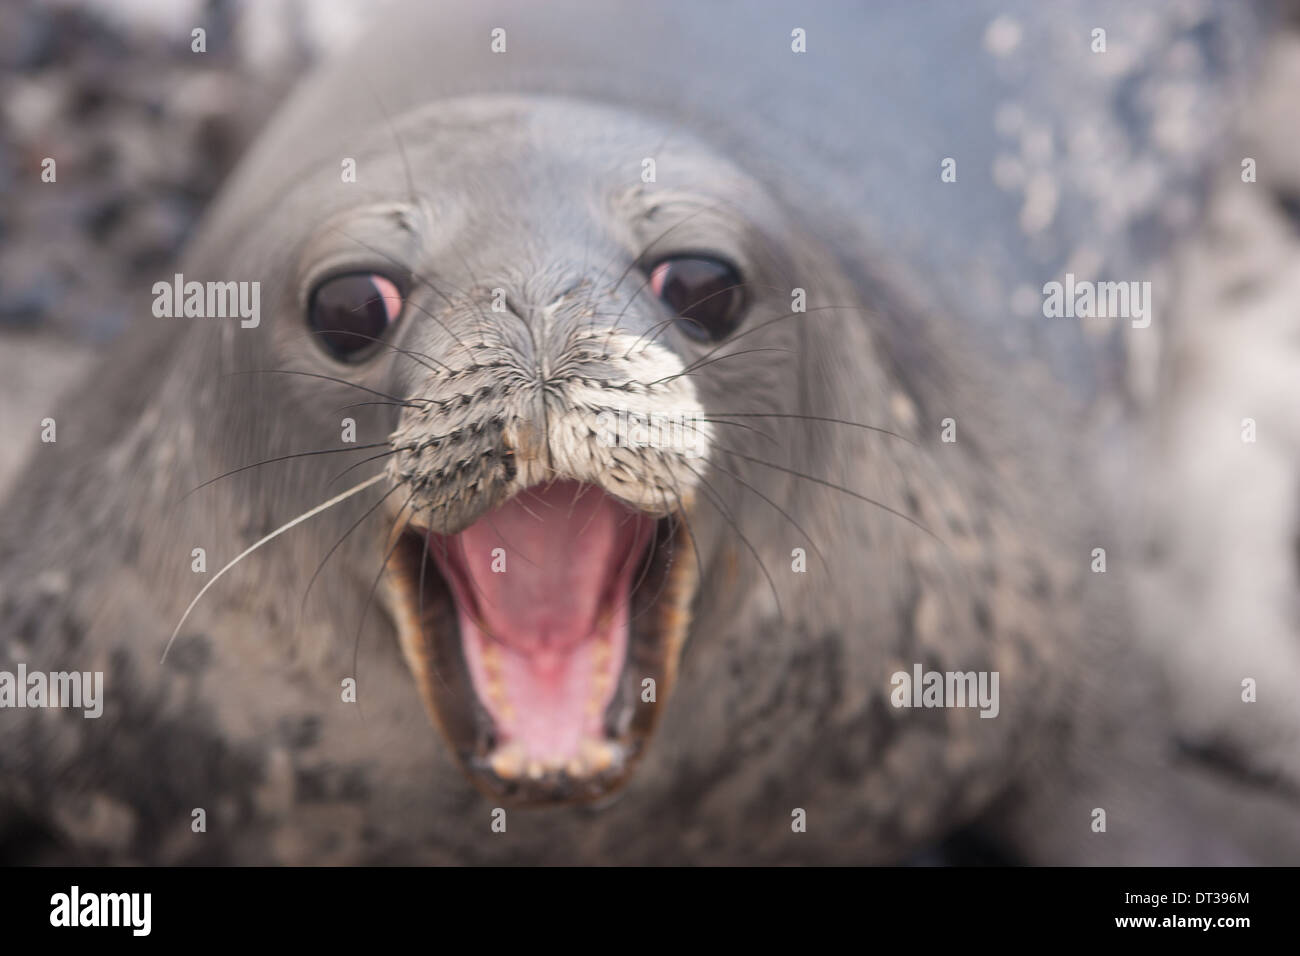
<point>583,427</point>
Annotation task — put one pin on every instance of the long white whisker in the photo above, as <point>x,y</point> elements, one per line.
<point>251,548</point>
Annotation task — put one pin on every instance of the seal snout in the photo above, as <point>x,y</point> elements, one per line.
<point>545,574</point>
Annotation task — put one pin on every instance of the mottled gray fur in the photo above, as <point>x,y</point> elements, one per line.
<point>783,699</point>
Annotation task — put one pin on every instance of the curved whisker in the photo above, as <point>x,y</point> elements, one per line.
<point>816,418</point>
<point>693,368</point>
<point>681,509</point>
<point>418,357</point>
<point>324,506</point>
<point>388,555</point>
<point>848,491</point>
<point>780,318</point>
<point>414,275</point>
<point>715,500</point>
<point>269,461</point>
<point>382,454</point>
<point>328,378</point>
<point>761,434</point>
<point>785,514</point>
<point>356,524</point>
<point>660,327</point>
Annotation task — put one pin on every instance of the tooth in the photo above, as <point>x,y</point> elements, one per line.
<point>597,755</point>
<point>508,761</point>
<point>535,770</point>
<point>575,767</point>
<point>554,764</point>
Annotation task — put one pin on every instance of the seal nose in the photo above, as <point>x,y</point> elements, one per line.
<point>526,437</point>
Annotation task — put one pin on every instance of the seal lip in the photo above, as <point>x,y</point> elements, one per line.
<point>439,642</point>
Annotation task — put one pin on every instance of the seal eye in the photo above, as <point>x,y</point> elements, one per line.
<point>350,313</point>
<point>706,293</point>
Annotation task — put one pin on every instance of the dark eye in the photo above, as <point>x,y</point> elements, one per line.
<point>706,293</point>
<point>350,313</point>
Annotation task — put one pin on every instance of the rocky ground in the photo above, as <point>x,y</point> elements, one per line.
<point>143,130</point>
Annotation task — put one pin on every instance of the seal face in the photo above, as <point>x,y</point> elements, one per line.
<point>551,440</point>
<point>546,570</point>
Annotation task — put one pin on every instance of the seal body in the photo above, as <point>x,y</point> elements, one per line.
<point>802,561</point>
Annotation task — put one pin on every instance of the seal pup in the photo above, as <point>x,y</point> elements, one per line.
<point>500,283</point>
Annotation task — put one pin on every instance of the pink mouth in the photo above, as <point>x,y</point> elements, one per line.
<point>541,588</point>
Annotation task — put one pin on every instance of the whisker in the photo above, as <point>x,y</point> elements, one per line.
<point>715,500</point>
<point>830,484</point>
<point>816,418</point>
<point>510,548</point>
<point>785,514</point>
<point>397,140</point>
<point>417,277</point>
<point>382,454</point>
<point>639,258</point>
<point>623,311</point>
<point>761,434</point>
<point>693,368</point>
<point>464,556</point>
<point>780,318</point>
<point>269,461</point>
<point>365,608</point>
<point>344,408</point>
<point>645,571</point>
<point>656,328</point>
<point>325,506</point>
<point>417,357</point>
<point>700,301</point>
<point>328,378</point>
<point>673,522</point>
<point>356,524</point>
<point>583,488</point>
<point>690,534</point>
<point>424,564</point>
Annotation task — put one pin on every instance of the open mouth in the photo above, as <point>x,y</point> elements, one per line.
<point>545,637</point>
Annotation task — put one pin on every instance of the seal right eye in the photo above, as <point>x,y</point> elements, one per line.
<point>350,313</point>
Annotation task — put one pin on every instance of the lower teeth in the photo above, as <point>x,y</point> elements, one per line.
<point>511,761</point>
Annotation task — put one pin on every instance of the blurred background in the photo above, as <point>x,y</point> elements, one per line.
<point>144,132</point>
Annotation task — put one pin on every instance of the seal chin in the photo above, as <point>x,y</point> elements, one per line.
<point>546,635</point>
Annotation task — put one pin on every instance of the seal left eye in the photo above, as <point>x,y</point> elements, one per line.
<point>350,313</point>
<point>706,293</point>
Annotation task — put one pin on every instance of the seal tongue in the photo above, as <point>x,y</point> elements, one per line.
<point>541,588</point>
